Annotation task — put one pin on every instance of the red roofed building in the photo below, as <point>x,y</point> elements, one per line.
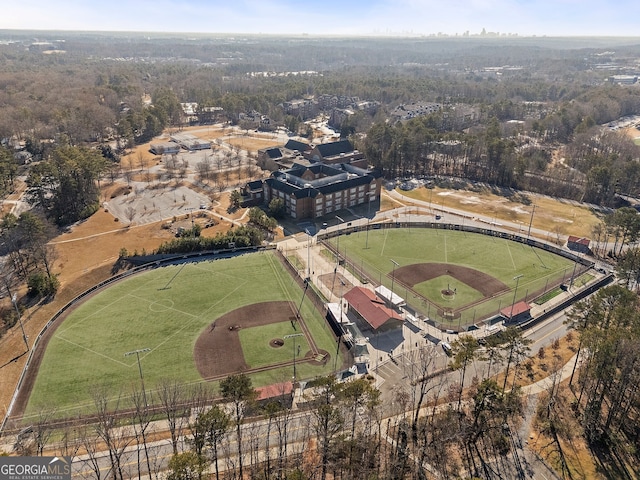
<point>516,313</point>
<point>278,392</point>
<point>578,244</point>
<point>372,310</point>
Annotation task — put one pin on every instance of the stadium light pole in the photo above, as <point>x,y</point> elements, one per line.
<point>308,252</point>
<point>15,305</point>
<point>338,240</point>
<point>368,218</point>
<point>137,354</point>
<point>335,361</point>
<point>294,336</point>
<point>515,292</point>
<point>393,276</point>
<point>531,221</point>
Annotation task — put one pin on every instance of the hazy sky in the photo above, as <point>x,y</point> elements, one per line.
<point>330,17</point>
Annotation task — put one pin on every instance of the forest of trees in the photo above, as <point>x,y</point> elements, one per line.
<point>555,96</point>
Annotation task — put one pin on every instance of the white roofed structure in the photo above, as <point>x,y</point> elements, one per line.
<point>390,297</point>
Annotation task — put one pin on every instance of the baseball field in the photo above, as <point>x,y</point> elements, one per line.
<point>455,278</point>
<point>200,321</point>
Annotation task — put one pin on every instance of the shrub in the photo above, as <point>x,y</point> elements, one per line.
<point>41,285</point>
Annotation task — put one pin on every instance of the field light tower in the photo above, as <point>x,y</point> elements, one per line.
<point>338,239</point>
<point>137,354</point>
<point>515,292</point>
<point>294,336</point>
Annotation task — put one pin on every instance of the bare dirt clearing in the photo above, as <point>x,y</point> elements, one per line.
<point>557,216</point>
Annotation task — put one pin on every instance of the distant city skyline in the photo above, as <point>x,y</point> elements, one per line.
<point>331,17</point>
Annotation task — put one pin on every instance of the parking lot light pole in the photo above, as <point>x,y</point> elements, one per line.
<point>137,354</point>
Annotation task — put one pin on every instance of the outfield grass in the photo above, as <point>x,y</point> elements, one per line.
<point>164,310</point>
<point>500,258</point>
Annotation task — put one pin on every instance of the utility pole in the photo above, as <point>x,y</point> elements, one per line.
<point>15,305</point>
<point>137,354</point>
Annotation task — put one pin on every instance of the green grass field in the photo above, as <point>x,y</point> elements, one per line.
<point>165,310</point>
<point>500,258</point>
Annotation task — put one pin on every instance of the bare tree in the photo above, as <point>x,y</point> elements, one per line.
<point>142,417</point>
<point>237,389</point>
<point>91,445</point>
<point>42,429</point>
<point>69,444</point>
<point>130,213</point>
<point>204,168</point>
<point>421,374</point>
<point>113,435</point>
<point>172,399</point>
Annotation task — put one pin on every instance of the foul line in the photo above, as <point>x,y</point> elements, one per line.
<point>94,352</point>
<point>386,234</point>
<point>511,255</point>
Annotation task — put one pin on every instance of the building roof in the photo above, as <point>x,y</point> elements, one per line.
<point>518,308</point>
<point>330,178</point>
<point>275,390</point>
<point>335,148</point>
<point>255,185</point>
<point>273,153</point>
<point>579,240</point>
<point>369,307</point>
<point>296,145</point>
<point>389,296</point>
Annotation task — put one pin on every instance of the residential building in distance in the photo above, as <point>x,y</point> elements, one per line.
<point>303,109</point>
<point>623,79</point>
<point>413,110</point>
